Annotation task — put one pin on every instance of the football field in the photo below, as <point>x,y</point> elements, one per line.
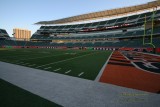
<point>78,63</point>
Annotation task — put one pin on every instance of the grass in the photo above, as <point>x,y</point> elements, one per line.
<point>88,63</point>
<point>13,96</point>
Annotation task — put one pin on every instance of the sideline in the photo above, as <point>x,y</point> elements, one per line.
<point>71,91</point>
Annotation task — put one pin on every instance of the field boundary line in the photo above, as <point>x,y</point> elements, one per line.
<point>102,69</point>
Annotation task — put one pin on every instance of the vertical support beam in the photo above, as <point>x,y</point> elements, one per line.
<point>144,30</point>
<point>152,26</point>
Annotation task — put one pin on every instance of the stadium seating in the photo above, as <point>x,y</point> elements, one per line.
<point>3,33</point>
<point>133,19</point>
<point>122,43</point>
<point>125,31</point>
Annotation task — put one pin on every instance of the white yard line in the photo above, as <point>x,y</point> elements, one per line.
<point>68,71</point>
<point>57,69</point>
<point>102,69</point>
<point>66,60</point>
<point>81,74</point>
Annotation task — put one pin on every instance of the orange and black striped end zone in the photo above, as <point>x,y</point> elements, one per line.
<point>120,71</point>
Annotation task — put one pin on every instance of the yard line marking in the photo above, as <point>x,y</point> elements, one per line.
<point>81,74</point>
<point>57,69</point>
<point>67,59</point>
<point>68,72</point>
<point>48,68</point>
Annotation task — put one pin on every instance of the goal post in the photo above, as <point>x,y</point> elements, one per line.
<point>152,31</point>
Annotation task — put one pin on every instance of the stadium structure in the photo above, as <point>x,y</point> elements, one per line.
<point>132,27</point>
<point>122,47</point>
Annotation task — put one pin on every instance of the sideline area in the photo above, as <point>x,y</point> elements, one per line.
<point>74,92</point>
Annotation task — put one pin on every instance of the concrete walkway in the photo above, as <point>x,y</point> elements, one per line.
<point>75,92</point>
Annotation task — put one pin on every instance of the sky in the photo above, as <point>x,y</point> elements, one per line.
<point>24,13</point>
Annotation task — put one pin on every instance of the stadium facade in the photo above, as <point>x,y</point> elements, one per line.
<point>135,28</point>
<point>3,34</point>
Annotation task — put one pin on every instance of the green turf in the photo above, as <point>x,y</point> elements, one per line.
<point>13,96</point>
<point>79,63</point>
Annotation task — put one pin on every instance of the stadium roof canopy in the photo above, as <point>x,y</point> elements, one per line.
<point>103,14</point>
